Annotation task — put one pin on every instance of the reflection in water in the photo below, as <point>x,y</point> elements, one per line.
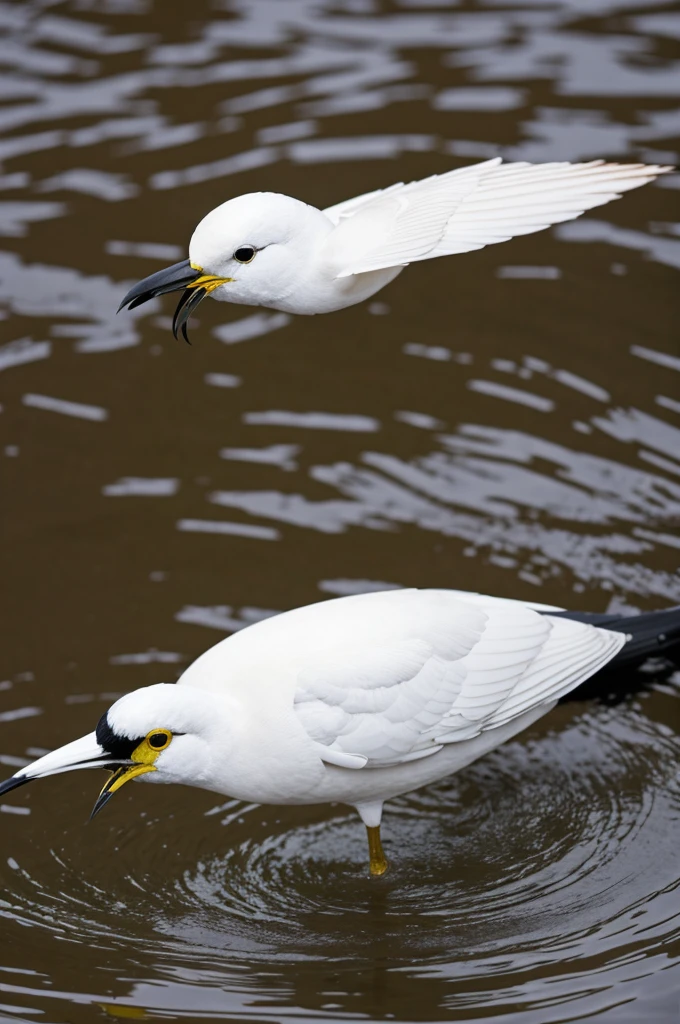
<point>479,485</point>
<point>507,422</point>
<point>663,250</point>
<point>59,405</point>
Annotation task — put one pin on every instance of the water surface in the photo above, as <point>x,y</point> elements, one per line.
<point>505,421</point>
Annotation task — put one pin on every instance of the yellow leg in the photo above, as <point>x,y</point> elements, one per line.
<point>378,861</point>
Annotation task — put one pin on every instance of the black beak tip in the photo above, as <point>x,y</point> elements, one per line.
<point>100,803</point>
<point>171,279</point>
<point>13,783</point>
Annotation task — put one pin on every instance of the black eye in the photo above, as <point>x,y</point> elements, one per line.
<point>244,254</point>
<point>158,740</point>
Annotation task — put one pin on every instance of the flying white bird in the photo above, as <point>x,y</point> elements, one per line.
<point>266,249</point>
<point>356,699</point>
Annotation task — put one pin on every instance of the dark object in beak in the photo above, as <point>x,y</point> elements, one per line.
<point>179,275</point>
<point>185,307</point>
<point>195,282</point>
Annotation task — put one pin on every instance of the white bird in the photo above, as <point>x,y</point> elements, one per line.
<point>267,249</point>
<point>356,699</point>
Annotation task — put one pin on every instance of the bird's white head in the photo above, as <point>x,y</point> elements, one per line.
<point>165,733</point>
<point>258,249</point>
<point>260,245</point>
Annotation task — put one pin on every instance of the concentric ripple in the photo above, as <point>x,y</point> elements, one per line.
<point>551,861</point>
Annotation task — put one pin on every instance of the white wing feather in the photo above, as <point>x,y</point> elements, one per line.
<point>340,210</point>
<point>446,671</point>
<point>473,597</point>
<point>469,208</point>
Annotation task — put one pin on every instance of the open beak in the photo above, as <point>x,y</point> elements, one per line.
<point>120,776</point>
<point>82,753</point>
<point>192,279</point>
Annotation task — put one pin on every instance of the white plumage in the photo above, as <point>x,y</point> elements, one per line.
<point>271,250</point>
<point>469,208</point>
<point>356,700</point>
<point>376,680</point>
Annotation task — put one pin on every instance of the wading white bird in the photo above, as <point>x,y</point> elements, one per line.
<point>356,699</point>
<point>266,249</point>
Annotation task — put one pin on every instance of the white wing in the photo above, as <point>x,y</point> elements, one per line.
<point>469,208</point>
<point>340,210</point>
<point>473,597</point>
<point>449,671</point>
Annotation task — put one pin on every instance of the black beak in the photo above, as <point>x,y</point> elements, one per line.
<point>196,283</point>
<point>179,275</point>
<point>10,784</point>
<point>83,753</point>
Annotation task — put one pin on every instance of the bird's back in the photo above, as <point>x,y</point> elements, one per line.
<point>377,679</point>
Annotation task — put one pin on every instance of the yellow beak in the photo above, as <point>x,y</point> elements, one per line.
<point>143,758</point>
<point>208,281</point>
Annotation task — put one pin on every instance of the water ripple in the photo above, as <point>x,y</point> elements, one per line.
<point>505,421</point>
<point>481,881</point>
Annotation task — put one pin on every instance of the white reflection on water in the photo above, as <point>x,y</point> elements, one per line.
<point>16,217</point>
<point>655,247</point>
<point>61,293</point>
<point>227,529</point>
<point>222,617</point>
<point>314,420</point>
<point>142,487</point>
<point>489,487</point>
<point>508,394</point>
<point>64,407</point>
<point>253,326</point>
<point>282,455</point>
<point>23,350</point>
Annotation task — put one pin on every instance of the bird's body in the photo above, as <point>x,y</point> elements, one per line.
<point>296,271</point>
<point>348,700</point>
<point>354,700</point>
<point>267,249</point>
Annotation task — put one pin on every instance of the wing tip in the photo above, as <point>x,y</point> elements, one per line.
<point>339,759</point>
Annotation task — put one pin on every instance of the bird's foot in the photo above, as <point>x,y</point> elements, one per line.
<point>378,867</point>
<point>377,860</point>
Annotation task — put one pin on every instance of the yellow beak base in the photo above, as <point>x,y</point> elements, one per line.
<point>143,758</point>
<point>194,293</point>
<point>208,281</point>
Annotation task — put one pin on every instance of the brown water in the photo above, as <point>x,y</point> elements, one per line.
<point>507,421</point>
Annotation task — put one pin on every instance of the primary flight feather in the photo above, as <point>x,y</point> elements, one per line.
<point>267,249</point>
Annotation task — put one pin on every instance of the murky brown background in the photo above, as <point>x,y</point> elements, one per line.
<point>507,421</point>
